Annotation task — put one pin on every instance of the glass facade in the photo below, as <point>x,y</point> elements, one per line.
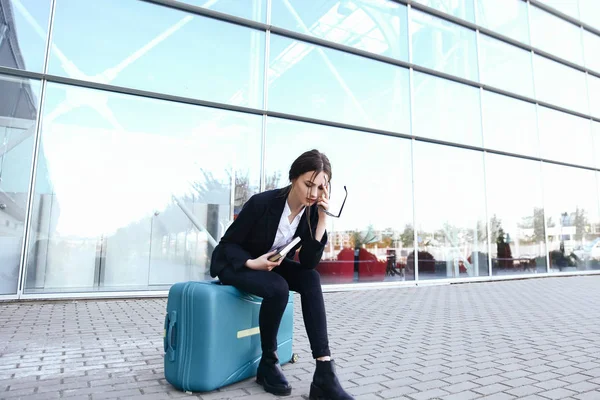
<point>17,131</point>
<point>466,132</point>
<point>116,186</point>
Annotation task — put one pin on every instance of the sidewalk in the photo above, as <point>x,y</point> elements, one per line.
<point>528,339</point>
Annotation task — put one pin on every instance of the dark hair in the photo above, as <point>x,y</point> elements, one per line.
<point>312,160</point>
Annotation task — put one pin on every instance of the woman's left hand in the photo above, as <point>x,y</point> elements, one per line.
<point>323,202</point>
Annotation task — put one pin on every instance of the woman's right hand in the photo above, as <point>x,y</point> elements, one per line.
<point>262,263</point>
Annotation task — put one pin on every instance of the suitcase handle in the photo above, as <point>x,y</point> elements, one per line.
<point>166,326</point>
<point>169,339</point>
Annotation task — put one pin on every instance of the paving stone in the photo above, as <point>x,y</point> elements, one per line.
<point>494,341</point>
<point>491,389</point>
<point>560,393</point>
<point>591,395</point>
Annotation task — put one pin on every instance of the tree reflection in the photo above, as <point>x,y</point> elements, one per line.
<point>573,236</point>
<point>535,224</point>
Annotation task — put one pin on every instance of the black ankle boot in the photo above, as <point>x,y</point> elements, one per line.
<point>270,375</point>
<point>325,385</point>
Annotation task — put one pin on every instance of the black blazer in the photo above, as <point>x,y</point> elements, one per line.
<point>253,232</point>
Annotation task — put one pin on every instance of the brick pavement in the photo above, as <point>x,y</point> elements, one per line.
<point>533,339</point>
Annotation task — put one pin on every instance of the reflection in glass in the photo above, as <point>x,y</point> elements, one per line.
<point>591,50</point>
<point>443,46</point>
<point>560,85</point>
<point>556,36</point>
<point>23,31</point>
<point>446,110</point>
<point>565,137</point>
<point>376,26</point>
<point>507,17</point>
<point>596,227</point>
<point>571,199</point>
<point>589,11</point>
<point>18,112</point>
<point>131,192</point>
<point>450,212</point>
<point>505,66</point>
<point>170,51</point>
<point>596,139</point>
<point>509,125</point>
<point>373,238</point>
<point>516,209</point>
<point>255,10</point>
<point>328,84</point>
<point>462,9</point>
<point>594,91</point>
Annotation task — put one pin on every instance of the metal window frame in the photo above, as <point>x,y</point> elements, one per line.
<point>348,49</point>
<point>566,17</point>
<point>432,11</point>
<point>178,5</point>
<point>543,178</point>
<point>263,148</point>
<point>95,295</point>
<point>485,154</point>
<point>8,297</point>
<point>3,30</point>
<point>411,100</point>
<point>326,288</point>
<point>414,215</point>
<point>293,117</point>
<point>34,160</point>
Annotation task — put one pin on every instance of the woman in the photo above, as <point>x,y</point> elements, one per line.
<point>268,221</point>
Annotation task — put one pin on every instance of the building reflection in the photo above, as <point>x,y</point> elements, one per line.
<point>18,110</point>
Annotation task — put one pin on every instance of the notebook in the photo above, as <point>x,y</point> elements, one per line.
<point>282,251</point>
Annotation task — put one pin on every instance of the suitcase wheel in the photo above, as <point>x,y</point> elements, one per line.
<point>295,358</point>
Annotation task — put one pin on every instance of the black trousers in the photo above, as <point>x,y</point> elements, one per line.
<point>274,286</point>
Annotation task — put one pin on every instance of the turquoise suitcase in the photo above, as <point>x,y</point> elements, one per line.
<point>212,338</point>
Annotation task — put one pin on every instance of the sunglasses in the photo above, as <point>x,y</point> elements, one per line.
<point>341,208</point>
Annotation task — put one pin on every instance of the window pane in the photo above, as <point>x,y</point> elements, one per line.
<point>446,110</point>
<point>507,17</point>
<point>594,91</point>
<point>505,66</point>
<point>443,46</point>
<point>565,137</point>
<point>560,85</point>
<point>18,112</point>
<point>462,9</point>
<point>590,10</point>
<point>596,138</point>
<point>23,32</point>
<point>332,85</point>
<point>377,218</point>
<point>568,7</point>
<point>516,209</point>
<point>255,10</point>
<point>571,202</point>
<point>595,255</point>
<point>556,36</point>
<point>376,26</point>
<point>450,212</point>
<point>591,47</point>
<point>170,51</point>
<point>510,125</point>
<point>152,188</point>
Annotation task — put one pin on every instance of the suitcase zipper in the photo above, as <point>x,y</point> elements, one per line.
<point>183,345</point>
<point>191,332</point>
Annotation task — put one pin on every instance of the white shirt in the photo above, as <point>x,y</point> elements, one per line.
<point>286,230</point>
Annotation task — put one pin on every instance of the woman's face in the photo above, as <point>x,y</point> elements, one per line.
<point>307,191</point>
